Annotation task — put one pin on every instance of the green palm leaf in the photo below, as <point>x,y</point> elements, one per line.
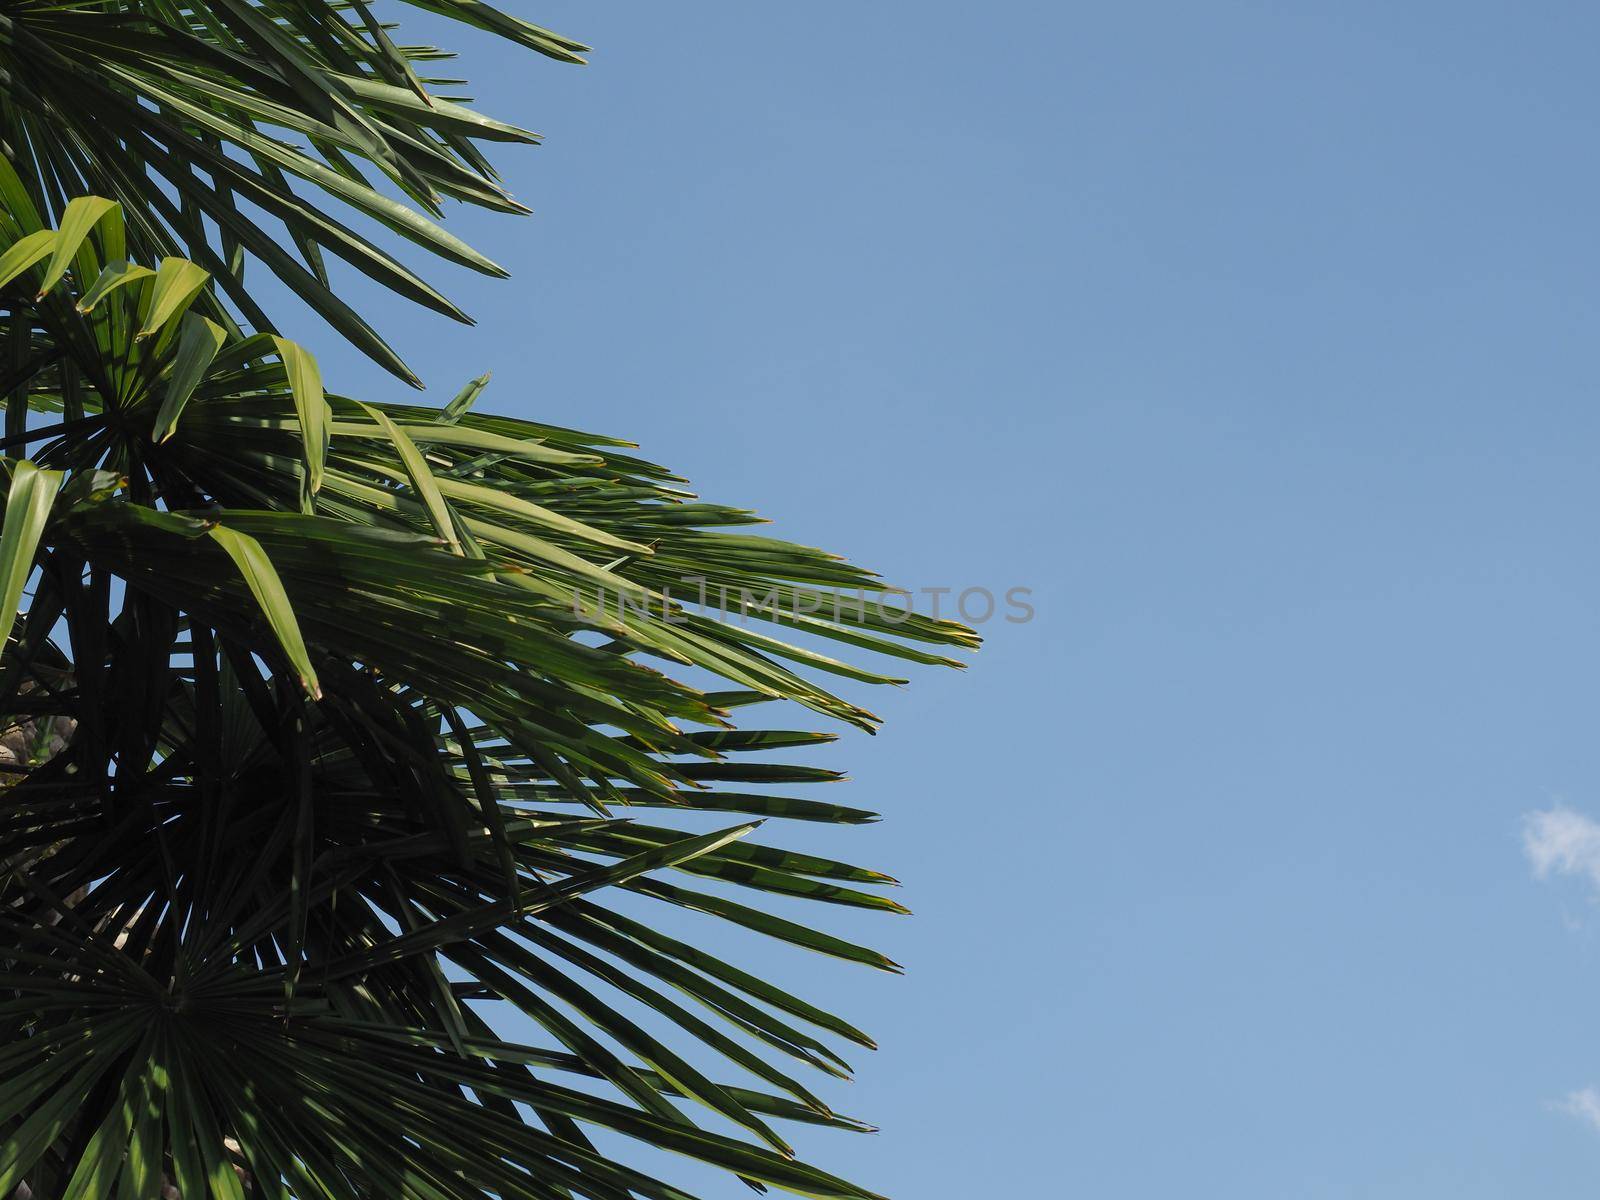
<point>352,757</point>
<point>224,104</point>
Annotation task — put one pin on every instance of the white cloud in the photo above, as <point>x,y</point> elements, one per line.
<point>1584,1104</point>
<point>1562,841</point>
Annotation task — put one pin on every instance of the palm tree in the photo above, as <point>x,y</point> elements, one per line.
<point>335,726</point>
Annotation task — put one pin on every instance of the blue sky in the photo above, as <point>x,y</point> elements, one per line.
<point>1258,341</point>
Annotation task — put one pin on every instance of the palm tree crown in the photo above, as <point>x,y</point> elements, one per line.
<point>335,725</point>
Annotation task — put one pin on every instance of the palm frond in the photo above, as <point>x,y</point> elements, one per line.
<point>354,752</point>
<point>200,118</point>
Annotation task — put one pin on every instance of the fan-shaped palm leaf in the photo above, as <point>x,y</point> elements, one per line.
<point>199,116</point>
<point>355,750</point>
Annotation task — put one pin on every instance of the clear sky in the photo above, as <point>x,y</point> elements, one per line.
<point>1259,341</point>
